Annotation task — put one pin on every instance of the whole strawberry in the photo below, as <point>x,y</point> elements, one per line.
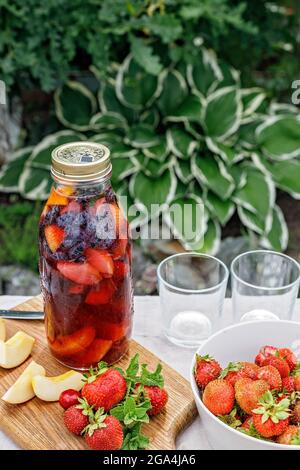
<point>218,397</point>
<point>290,436</point>
<point>264,352</point>
<point>105,434</point>
<point>248,392</point>
<point>279,363</point>
<point>271,418</point>
<point>105,390</point>
<point>206,370</point>
<point>76,417</point>
<point>158,398</point>
<point>238,370</point>
<point>271,376</point>
<point>288,384</point>
<point>289,356</point>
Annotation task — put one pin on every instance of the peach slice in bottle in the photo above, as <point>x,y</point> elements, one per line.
<point>75,343</point>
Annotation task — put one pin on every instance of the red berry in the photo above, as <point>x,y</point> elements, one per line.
<point>218,397</point>
<point>264,352</point>
<point>280,364</point>
<point>288,435</point>
<point>271,376</point>
<point>288,384</point>
<point>109,436</point>
<point>69,398</point>
<point>158,398</point>
<point>106,390</point>
<point>206,370</point>
<point>271,418</point>
<point>289,356</point>
<point>74,419</point>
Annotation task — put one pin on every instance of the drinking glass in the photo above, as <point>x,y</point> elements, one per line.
<point>192,288</point>
<point>264,286</point>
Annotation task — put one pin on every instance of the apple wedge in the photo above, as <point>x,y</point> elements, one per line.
<point>22,391</point>
<point>16,350</point>
<point>50,388</point>
<point>2,329</point>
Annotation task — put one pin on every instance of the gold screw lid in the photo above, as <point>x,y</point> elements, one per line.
<point>81,161</point>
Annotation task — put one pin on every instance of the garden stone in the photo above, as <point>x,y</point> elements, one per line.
<point>16,280</point>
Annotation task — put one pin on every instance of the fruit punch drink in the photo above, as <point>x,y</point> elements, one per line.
<point>85,260</point>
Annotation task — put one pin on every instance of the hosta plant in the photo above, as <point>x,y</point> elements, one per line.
<point>188,134</point>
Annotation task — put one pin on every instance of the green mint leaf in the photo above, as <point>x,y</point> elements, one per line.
<point>152,378</point>
<point>134,439</point>
<point>133,368</point>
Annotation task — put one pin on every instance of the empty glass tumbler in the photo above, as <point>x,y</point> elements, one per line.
<point>264,286</point>
<point>192,289</point>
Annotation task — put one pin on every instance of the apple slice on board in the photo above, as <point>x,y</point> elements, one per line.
<point>22,391</point>
<point>16,350</point>
<point>50,388</point>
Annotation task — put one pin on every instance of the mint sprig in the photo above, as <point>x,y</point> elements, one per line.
<point>134,439</point>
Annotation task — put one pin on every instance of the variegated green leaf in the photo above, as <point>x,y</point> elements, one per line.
<point>220,209</point>
<point>142,136</point>
<point>183,171</point>
<point>121,168</point>
<point>204,75</point>
<point>212,238</point>
<point>174,91</point>
<point>108,120</point>
<point>155,168</point>
<point>136,88</point>
<point>153,193</point>
<point>258,194</point>
<point>190,109</point>
<point>286,175</point>
<point>254,221</point>
<point>107,137</point>
<point>35,183</point>
<point>75,105</point>
<point>228,153</point>
<point>150,117</point>
<point>180,142</point>
<point>252,99</point>
<point>278,236</point>
<point>158,151</point>
<point>246,135</point>
<point>187,219</point>
<point>279,137</point>
<point>41,154</point>
<point>212,173</point>
<point>109,102</point>
<point>11,171</point>
<point>222,113</point>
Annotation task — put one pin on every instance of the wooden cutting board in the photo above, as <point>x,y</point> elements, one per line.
<point>38,425</point>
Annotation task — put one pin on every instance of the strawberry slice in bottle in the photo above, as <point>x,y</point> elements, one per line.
<point>101,294</point>
<point>100,260</point>
<point>81,273</point>
<point>121,270</point>
<point>54,236</point>
<point>74,343</point>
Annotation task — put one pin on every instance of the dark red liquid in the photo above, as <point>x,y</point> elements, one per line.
<point>85,267</point>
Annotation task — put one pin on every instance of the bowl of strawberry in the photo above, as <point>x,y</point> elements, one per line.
<point>246,384</point>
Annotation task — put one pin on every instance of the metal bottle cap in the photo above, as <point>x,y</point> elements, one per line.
<point>81,161</point>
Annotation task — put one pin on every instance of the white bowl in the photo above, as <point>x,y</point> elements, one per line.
<point>241,343</point>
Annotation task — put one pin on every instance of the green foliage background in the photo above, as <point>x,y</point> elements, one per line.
<point>150,79</point>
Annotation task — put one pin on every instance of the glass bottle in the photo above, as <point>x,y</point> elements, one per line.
<point>85,260</point>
